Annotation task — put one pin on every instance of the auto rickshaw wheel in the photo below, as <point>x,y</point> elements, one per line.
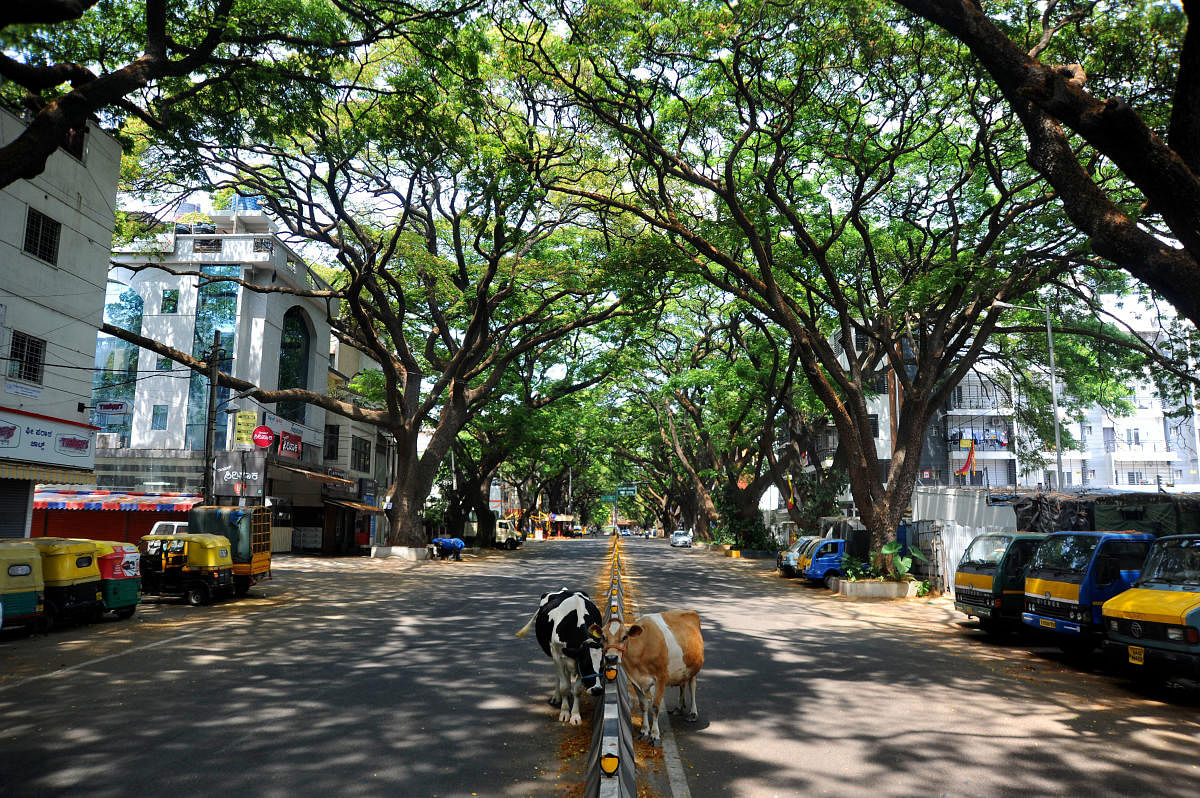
<point>196,595</point>
<point>125,612</point>
<point>241,586</point>
<point>49,617</point>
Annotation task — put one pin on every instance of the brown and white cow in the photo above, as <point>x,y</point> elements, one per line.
<point>657,651</point>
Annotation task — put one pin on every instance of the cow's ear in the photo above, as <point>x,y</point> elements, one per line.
<point>594,631</point>
<point>634,631</point>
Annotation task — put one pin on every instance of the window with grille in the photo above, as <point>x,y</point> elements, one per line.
<point>41,236</point>
<point>158,417</point>
<point>206,245</point>
<point>26,357</point>
<point>331,441</point>
<point>360,454</point>
<point>170,300</point>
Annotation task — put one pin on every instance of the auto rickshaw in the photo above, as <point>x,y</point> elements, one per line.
<point>196,566</point>
<point>72,580</point>
<point>22,590</point>
<point>120,576</point>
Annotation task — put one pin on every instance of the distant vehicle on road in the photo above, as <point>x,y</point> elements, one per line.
<point>507,535</point>
<point>682,537</point>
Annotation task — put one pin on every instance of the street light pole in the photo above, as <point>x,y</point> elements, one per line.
<point>1053,383</point>
<point>214,364</point>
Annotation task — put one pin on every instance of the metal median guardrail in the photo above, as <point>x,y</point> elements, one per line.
<point>611,772</point>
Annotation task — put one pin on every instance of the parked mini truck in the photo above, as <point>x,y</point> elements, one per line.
<point>822,562</point>
<point>989,583</point>
<point>248,530</point>
<point>1156,623</point>
<point>507,534</point>
<point>1073,574</point>
<point>787,560</point>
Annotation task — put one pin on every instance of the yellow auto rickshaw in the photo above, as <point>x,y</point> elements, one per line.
<point>22,589</point>
<point>196,566</point>
<point>72,580</point>
<point>120,576</point>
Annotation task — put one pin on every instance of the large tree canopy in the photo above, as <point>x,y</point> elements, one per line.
<point>173,64</point>
<point>843,172</point>
<point>1124,77</point>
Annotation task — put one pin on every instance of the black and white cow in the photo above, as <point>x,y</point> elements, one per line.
<point>567,625</point>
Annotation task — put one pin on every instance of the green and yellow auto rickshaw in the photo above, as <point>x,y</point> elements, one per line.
<point>22,589</point>
<point>120,576</point>
<point>198,567</point>
<point>72,580</point>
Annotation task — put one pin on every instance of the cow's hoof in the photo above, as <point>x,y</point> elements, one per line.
<point>564,716</point>
<point>576,720</point>
<point>555,701</point>
<point>655,742</point>
<point>692,717</point>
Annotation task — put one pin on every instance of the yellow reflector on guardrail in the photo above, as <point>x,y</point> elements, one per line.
<point>609,764</point>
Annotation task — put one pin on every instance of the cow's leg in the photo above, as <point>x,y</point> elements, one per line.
<point>651,695</point>
<point>563,690</point>
<point>562,679</point>
<point>656,695</point>
<point>689,712</point>
<point>576,698</point>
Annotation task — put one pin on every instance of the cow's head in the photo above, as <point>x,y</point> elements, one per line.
<point>616,637</point>
<point>587,660</point>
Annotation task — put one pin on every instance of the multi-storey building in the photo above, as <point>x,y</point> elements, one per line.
<point>1151,445</point>
<point>153,413</point>
<point>55,232</point>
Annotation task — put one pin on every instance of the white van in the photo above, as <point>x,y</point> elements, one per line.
<point>507,534</point>
<point>169,528</point>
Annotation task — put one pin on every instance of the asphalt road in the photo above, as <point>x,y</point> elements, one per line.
<point>381,678</point>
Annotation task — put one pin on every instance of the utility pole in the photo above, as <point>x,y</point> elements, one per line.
<point>214,364</point>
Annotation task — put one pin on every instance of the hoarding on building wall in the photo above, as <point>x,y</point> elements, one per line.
<point>46,441</point>
<point>244,426</point>
<point>242,473</point>
<point>290,446</point>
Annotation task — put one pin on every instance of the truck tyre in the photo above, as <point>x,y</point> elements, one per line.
<point>787,570</point>
<point>510,544</point>
<point>196,595</point>
<point>992,627</point>
<point>831,581</point>
<point>241,586</point>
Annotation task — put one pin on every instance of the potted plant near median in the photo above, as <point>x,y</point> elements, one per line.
<point>890,578</point>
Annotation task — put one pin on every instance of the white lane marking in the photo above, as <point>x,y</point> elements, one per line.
<point>671,759</point>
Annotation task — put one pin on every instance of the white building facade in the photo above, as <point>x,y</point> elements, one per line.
<point>152,412</point>
<point>55,236</point>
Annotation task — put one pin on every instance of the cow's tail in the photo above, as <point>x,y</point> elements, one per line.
<point>524,630</point>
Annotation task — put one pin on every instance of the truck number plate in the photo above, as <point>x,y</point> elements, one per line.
<point>1046,622</point>
<point>1137,655</point>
